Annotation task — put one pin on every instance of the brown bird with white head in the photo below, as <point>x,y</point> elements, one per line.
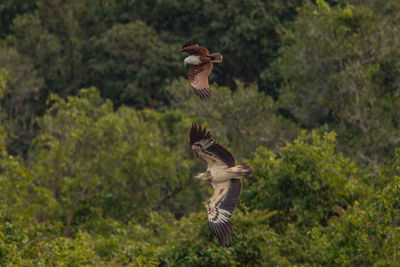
<point>225,177</point>
<point>202,64</point>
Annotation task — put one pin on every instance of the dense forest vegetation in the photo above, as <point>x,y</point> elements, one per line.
<point>95,163</point>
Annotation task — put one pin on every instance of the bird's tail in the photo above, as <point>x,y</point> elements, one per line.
<point>216,58</point>
<point>241,171</point>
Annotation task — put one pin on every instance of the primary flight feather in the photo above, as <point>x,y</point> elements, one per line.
<point>202,64</point>
<point>225,177</point>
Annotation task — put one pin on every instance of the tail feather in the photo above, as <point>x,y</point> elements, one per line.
<point>242,170</point>
<point>216,58</point>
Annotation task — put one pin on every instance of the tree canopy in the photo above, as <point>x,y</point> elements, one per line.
<point>95,112</point>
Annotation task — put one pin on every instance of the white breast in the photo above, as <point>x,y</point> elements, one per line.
<point>194,60</point>
<point>219,174</point>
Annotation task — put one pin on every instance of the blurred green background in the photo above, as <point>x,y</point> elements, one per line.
<point>95,163</point>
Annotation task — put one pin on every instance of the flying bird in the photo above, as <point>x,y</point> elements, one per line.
<point>202,64</point>
<point>225,177</point>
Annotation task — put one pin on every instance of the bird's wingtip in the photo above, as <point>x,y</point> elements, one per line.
<point>188,43</point>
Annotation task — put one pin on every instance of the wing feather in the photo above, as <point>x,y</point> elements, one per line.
<point>205,147</point>
<point>203,93</point>
<point>220,208</point>
<point>219,233</point>
<point>223,154</point>
<point>198,77</point>
<point>193,48</point>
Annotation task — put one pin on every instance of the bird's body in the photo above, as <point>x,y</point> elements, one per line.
<point>222,174</point>
<point>225,177</point>
<point>202,64</point>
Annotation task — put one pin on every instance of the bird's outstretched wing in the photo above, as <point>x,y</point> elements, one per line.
<point>194,49</point>
<point>205,147</point>
<point>220,207</point>
<point>198,77</point>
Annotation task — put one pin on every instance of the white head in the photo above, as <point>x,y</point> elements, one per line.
<point>194,60</point>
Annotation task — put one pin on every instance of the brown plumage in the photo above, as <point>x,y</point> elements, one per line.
<point>225,177</point>
<point>202,64</point>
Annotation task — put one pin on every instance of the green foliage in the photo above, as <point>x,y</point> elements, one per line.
<point>245,32</point>
<point>9,9</point>
<point>129,64</point>
<point>19,100</point>
<point>103,177</point>
<point>307,182</point>
<point>254,243</point>
<point>368,234</point>
<point>245,118</point>
<point>94,159</point>
<point>27,245</point>
<point>18,195</point>
<point>340,67</point>
<point>4,77</point>
<point>32,39</point>
<point>71,42</point>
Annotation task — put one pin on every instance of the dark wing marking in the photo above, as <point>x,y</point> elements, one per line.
<point>232,197</point>
<point>205,147</point>
<point>194,49</point>
<point>198,77</point>
<point>197,134</point>
<point>220,208</point>
<point>188,43</point>
<point>203,93</point>
<point>223,154</point>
